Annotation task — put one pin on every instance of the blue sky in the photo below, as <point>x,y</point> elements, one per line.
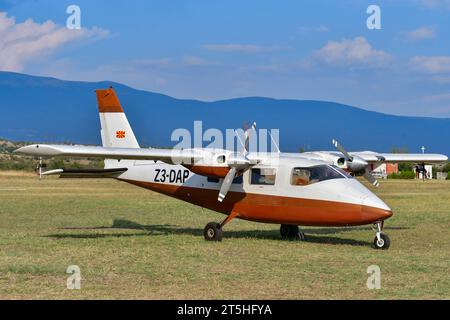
<point>211,49</point>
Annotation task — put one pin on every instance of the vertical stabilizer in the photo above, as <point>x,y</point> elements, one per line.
<point>115,129</point>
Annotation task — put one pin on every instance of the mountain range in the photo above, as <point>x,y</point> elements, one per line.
<point>42,109</point>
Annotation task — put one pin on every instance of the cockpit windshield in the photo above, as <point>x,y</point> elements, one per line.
<point>309,175</point>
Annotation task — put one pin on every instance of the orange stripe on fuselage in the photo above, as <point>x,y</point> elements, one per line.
<point>209,171</point>
<point>107,101</point>
<point>273,209</point>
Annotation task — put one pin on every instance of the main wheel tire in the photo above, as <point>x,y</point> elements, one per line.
<point>383,243</point>
<point>285,231</point>
<point>291,232</point>
<point>213,232</point>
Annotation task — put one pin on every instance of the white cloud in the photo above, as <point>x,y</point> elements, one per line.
<point>148,62</point>
<point>437,97</point>
<point>243,48</point>
<point>441,79</point>
<point>350,52</point>
<point>320,28</point>
<point>431,64</point>
<point>192,61</point>
<point>20,43</point>
<point>422,33</point>
<point>434,4</point>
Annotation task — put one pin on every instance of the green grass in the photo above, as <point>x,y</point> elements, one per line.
<point>132,243</point>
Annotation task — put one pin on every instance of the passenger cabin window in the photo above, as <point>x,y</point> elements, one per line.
<point>263,176</point>
<point>310,175</point>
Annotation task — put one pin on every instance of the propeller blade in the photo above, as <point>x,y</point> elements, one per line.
<point>369,177</point>
<point>342,150</point>
<point>226,184</point>
<point>247,137</point>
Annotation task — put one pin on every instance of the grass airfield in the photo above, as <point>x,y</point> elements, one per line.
<point>131,243</point>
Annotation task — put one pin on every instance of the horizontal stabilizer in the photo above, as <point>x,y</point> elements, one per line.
<point>86,173</point>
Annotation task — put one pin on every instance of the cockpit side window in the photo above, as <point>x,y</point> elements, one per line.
<point>300,177</point>
<point>309,175</point>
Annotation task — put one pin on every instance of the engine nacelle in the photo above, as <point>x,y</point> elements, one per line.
<point>356,166</point>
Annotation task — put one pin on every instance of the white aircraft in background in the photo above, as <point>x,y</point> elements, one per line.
<point>309,189</point>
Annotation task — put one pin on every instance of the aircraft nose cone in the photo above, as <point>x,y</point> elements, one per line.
<point>375,214</point>
<point>374,209</point>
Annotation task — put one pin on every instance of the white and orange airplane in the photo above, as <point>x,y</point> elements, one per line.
<point>308,189</point>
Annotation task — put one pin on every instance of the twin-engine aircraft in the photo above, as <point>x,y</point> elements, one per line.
<point>308,189</point>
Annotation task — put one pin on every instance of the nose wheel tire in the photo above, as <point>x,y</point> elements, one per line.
<point>382,242</point>
<point>291,232</point>
<point>213,232</point>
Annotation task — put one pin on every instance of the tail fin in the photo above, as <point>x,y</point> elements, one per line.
<point>116,130</point>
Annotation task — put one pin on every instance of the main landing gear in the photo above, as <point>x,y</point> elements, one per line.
<point>381,241</point>
<point>213,230</point>
<point>291,232</point>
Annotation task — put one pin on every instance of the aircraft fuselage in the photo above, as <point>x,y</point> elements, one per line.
<point>340,201</point>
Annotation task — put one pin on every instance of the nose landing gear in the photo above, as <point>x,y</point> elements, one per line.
<point>213,230</point>
<point>381,241</point>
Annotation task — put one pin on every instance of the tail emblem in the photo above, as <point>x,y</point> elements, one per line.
<point>120,134</point>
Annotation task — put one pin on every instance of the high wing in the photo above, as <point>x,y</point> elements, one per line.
<point>370,157</point>
<point>170,156</point>
<point>120,143</point>
<point>236,163</point>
